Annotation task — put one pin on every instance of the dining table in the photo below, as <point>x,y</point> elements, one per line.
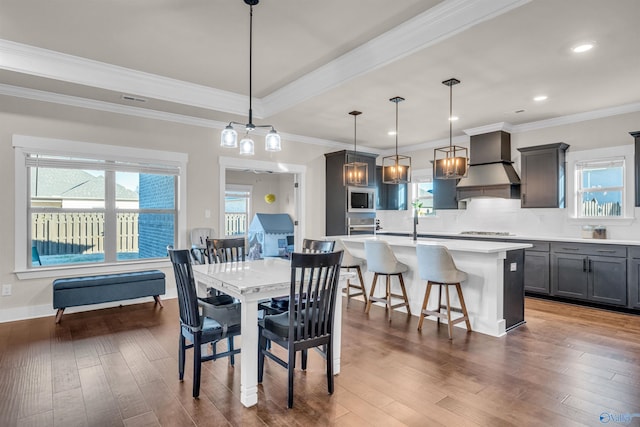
<point>250,282</point>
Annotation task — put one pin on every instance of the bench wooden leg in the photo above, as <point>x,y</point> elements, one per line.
<point>158,301</point>
<point>59,315</point>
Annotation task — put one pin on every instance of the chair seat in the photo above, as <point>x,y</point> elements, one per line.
<point>278,324</point>
<point>398,268</point>
<point>447,277</point>
<point>212,330</point>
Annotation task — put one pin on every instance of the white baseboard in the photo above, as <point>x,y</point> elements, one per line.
<point>46,310</point>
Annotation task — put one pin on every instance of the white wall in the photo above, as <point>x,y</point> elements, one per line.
<point>506,215</point>
<point>19,116</point>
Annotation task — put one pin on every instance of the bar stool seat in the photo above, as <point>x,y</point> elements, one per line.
<point>436,266</point>
<point>382,261</point>
<point>352,262</point>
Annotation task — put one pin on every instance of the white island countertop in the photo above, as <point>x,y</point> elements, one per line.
<point>515,237</point>
<point>466,245</point>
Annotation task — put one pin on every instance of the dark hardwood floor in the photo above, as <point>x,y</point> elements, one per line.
<point>567,366</point>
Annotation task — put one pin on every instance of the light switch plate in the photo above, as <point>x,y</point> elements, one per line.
<point>513,266</point>
<point>6,290</point>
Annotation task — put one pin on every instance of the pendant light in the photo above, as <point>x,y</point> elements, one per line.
<point>396,169</point>
<point>229,136</point>
<point>450,162</point>
<point>355,173</point>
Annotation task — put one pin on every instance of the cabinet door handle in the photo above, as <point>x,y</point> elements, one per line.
<point>524,199</point>
<point>606,251</point>
<point>570,249</point>
<point>589,266</point>
<point>584,264</point>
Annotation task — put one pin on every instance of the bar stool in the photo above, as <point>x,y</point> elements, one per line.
<point>382,261</point>
<point>436,266</point>
<point>348,262</point>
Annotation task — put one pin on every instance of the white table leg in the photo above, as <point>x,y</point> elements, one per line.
<point>249,354</point>
<point>337,332</point>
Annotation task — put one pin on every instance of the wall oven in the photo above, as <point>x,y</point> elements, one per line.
<point>358,225</point>
<point>361,199</point>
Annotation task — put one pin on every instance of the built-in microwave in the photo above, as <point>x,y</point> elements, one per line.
<point>361,199</point>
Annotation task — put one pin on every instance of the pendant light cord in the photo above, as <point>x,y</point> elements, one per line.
<point>450,116</point>
<point>250,62</point>
<point>396,131</point>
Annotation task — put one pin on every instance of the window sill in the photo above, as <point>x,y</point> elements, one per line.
<point>54,272</point>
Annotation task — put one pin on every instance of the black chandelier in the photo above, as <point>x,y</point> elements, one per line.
<point>229,136</point>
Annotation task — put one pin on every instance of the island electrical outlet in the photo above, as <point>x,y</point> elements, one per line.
<point>6,290</point>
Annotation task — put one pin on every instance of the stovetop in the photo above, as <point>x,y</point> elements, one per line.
<point>487,233</point>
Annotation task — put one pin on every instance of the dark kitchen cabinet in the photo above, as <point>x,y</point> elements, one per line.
<point>536,268</point>
<point>513,302</point>
<point>336,222</point>
<point>390,197</point>
<point>636,135</point>
<point>633,285</point>
<point>589,272</point>
<point>543,181</point>
<point>444,194</point>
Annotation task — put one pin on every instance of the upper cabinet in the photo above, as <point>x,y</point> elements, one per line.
<point>543,180</point>
<point>636,135</point>
<point>390,197</point>
<point>444,194</point>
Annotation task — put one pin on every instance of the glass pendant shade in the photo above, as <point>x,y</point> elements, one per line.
<point>450,162</point>
<point>246,146</point>
<point>229,137</point>
<point>396,169</point>
<point>272,141</point>
<point>355,174</point>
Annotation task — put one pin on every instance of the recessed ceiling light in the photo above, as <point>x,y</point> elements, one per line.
<point>583,47</point>
<point>391,133</point>
<point>454,118</point>
<point>540,98</point>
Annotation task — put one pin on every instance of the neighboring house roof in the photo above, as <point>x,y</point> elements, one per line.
<point>272,223</point>
<point>73,184</point>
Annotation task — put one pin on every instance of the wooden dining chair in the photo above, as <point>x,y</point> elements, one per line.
<point>200,329</point>
<point>226,250</point>
<point>317,246</point>
<point>308,323</point>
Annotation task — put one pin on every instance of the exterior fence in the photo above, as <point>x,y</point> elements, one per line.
<point>593,208</point>
<point>65,233</point>
<point>235,224</point>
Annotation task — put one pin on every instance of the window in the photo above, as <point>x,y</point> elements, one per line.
<point>100,205</point>
<point>600,188</point>
<point>423,196</point>
<point>237,200</point>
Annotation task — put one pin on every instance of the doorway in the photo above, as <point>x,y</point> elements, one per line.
<point>265,167</point>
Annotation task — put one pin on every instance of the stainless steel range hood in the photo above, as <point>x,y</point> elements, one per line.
<point>491,173</point>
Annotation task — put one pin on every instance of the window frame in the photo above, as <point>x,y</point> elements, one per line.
<point>24,145</point>
<point>241,189</point>
<point>575,158</point>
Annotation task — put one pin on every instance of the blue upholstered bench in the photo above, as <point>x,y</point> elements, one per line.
<point>74,291</point>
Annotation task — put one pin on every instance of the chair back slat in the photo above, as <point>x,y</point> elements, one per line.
<point>226,250</point>
<point>317,246</point>
<point>314,282</point>
<point>186,287</point>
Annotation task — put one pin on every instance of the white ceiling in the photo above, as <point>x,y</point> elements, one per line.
<point>314,62</point>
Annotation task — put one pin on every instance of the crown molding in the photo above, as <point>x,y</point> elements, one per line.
<point>46,63</point>
<point>74,101</point>
<point>430,27</point>
<point>505,126</point>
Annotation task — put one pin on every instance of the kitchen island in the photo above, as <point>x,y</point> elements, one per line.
<point>493,292</point>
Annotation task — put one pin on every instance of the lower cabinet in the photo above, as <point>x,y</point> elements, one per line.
<point>633,284</point>
<point>578,273</point>
<point>536,268</point>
